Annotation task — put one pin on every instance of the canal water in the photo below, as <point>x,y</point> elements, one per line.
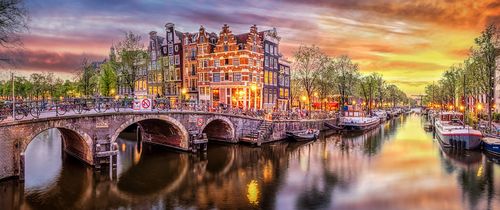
<point>395,166</point>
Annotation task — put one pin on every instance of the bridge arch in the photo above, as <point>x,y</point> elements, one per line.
<point>161,129</point>
<point>219,128</point>
<point>75,142</point>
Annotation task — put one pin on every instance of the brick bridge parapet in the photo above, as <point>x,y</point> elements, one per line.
<point>91,138</point>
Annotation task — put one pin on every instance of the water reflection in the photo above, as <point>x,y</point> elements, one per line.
<point>395,166</point>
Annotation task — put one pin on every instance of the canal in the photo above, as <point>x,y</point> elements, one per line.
<point>395,166</point>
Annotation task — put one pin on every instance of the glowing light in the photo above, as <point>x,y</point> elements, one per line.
<point>316,94</point>
<point>479,107</point>
<point>462,108</point>
<point>268,171</point>
<point>184,91</point>
<point>253,87</point>
<point>353,102</point>
<point>303,98</point>
<point>124,147</point>
<point>253,192</point>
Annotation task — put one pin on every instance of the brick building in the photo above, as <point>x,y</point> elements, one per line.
<point>237,70</point>
<point>197,49</point>
<point>232,75</point>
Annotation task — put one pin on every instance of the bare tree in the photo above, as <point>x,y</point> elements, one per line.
<point>310,61</point>
<point>132,58</point>
<point>13,20</point>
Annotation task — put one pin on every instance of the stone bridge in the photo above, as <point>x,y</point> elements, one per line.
<point>91,137</point>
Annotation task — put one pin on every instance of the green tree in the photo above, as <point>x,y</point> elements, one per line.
<point>87,79</point>
<point>486,51</point>
<point>108,78</point>
<point>346,77</point>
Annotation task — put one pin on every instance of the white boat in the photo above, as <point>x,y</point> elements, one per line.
<point>359,123</point>
<point>452,132</point>
<point>380,114</point>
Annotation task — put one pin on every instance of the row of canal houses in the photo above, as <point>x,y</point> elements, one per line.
<point>243,70</point>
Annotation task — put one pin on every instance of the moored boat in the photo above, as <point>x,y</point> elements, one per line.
<point>452,132</point>
<point>359,123</point>
<point>491,145</point>
<point>303,135</point>
<point>380,114</point>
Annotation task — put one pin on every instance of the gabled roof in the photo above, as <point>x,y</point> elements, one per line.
<point>241,38</point>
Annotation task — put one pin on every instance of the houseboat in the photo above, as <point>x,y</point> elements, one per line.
<point>452,132</point>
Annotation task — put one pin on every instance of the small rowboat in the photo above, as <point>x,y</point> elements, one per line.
<point>303,135</point>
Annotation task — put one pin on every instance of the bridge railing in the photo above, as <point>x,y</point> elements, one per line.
<point>35,109</point>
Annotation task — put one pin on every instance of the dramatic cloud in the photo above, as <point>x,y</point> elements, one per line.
<point>407,41</point>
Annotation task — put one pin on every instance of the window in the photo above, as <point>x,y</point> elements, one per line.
<point>205,63</point>
<point>237,77</point>
<point>216,77</point>
<point>193,69</point>
<point>171,58</point>
<point>271,64</point>
<point>226,61</point>
<point>250,62</point>
<point>266,77</point>
<point>217,62</point>
<point>225,38</point>
<point>202,39</point>
<point>177,60</point>
<point>236,61</point>
<point>276,63</point>
<point>267,47</point>
<point>271,49</point>
<point>266,61</point>
<point>170,49</point>
<point>169,35</point>
<point>266,94</point>
<point>250,76</point>
<point>275,80</point>
<point>226,48</point>
<point>176,48</point>
<point>193,53</point>
<point>215,94</point>
<point>226,76</point>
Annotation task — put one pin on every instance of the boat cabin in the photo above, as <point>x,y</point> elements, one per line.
<point>451,116</point>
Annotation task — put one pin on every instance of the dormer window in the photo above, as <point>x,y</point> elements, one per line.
<point>226,48</point>
<point>202,39</point>
<point>225,38</point>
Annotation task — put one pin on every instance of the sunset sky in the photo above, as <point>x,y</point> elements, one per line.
<point>410,42</point>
